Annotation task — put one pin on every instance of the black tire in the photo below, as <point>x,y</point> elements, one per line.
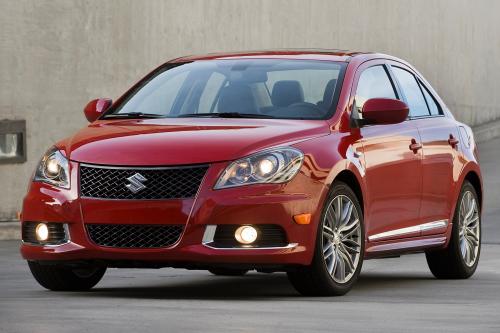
<point>228,271</point>
<point>64,278</point>
<point>449,263</point>
<point>315,280</point>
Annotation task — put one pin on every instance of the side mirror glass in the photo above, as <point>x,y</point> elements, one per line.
<point>94,109</point>
<point>384,111</point>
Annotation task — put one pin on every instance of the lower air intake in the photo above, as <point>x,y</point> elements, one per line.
<point>134,235</point>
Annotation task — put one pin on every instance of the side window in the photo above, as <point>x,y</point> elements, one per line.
<point>431,102</point>
<point>413,93</point>
<point>373,83</point>
<point>212,88</point>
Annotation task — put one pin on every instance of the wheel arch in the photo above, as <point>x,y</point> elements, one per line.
<point>473,178</point>
<point>348,177</point>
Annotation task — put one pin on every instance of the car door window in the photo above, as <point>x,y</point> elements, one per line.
<point>412,92</point>
<point>431,102</point>
<point>373,83</point>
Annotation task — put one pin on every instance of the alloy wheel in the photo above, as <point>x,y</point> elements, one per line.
<point>469,229</point>
<point>341,239</point>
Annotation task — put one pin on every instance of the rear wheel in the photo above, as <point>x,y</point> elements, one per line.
<point>65,278</point>
<point>339,247</point>
<point>228,271</point>
<point>459,260</point>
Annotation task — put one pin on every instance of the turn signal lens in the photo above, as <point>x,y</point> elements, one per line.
<point>302,218</point>
<point>246,234</point>
<point>42,232</point>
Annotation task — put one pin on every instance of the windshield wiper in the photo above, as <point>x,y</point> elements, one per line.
<point>226,115</point>
<point>133,115</point>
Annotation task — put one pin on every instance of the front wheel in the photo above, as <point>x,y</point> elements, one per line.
<point>65,278</point>
<point>459,260</point>
<point>339,247</point>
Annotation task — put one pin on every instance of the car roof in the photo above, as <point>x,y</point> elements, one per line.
<point>302,54</point>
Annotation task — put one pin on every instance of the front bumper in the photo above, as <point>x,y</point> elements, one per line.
<point>256,204</point>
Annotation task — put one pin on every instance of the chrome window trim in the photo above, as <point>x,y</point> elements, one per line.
<point>409,230</point>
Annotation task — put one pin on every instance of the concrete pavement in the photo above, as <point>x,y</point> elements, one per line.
<point>393,295</point>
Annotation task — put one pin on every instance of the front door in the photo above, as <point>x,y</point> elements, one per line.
<point>393,171</point>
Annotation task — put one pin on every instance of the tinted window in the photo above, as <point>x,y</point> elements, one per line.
<point>373,83</point>
<point>278,88</point>
<point>412,92</point>
<point>431,102</point>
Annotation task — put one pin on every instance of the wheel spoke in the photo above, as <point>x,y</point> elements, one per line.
<point>347,258</point>
<point>328,232</point>
<point>471,205</point>
<point>346,213</point>
<point>472,234</point>
<point>328,250</point>
<point>351,242</point>
<point>463,249</point>
<point>471,223</point>
<point>330,216</point>
<point>338,211</point>
<point>349,227</point>
<point>352,249</point>
<point>341,267</point>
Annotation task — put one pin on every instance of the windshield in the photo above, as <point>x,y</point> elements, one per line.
<point>250,88</point>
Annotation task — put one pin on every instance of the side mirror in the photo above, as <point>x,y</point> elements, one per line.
<point>384,111</point>
<point>96,107</point>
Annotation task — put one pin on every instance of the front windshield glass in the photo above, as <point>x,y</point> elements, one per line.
<point>254,88</point>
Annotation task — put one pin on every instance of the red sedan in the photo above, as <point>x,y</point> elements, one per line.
<point>301,161</point>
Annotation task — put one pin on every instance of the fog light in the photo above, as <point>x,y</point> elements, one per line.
<point>246,234</point>
<point>42,232</point>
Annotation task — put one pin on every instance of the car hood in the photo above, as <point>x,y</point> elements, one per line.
<point>180,141</point>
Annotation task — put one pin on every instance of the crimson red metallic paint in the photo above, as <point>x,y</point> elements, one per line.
<point>407,177</point>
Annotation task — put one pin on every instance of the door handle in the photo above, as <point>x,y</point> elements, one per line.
<point>415,146</point>
<point>452,141</point>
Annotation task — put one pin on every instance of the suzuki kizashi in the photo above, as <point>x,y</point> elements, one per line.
<point>301,161</point>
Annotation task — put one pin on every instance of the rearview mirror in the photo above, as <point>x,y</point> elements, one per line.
<point>94,109</point>
<point>384,111</point>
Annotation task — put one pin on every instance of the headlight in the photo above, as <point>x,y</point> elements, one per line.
<point>53,169</point>
<point>272,166</point>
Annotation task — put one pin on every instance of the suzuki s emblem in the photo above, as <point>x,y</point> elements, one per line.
<point>136,183</point>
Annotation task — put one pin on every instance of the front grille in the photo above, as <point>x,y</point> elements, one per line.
<point>154,183</point>
<point>134,235</point>
<point>57,233</point>
<point>268,235</point>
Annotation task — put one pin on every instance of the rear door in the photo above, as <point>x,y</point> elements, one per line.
<point>439,135</point>
<point>393,171</point>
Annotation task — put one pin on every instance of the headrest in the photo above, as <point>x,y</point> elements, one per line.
<point>287,92</point>
<point>329,90</point>
<point>237,97</point>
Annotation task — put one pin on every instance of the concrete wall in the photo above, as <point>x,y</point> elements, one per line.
<point>57,54</point>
